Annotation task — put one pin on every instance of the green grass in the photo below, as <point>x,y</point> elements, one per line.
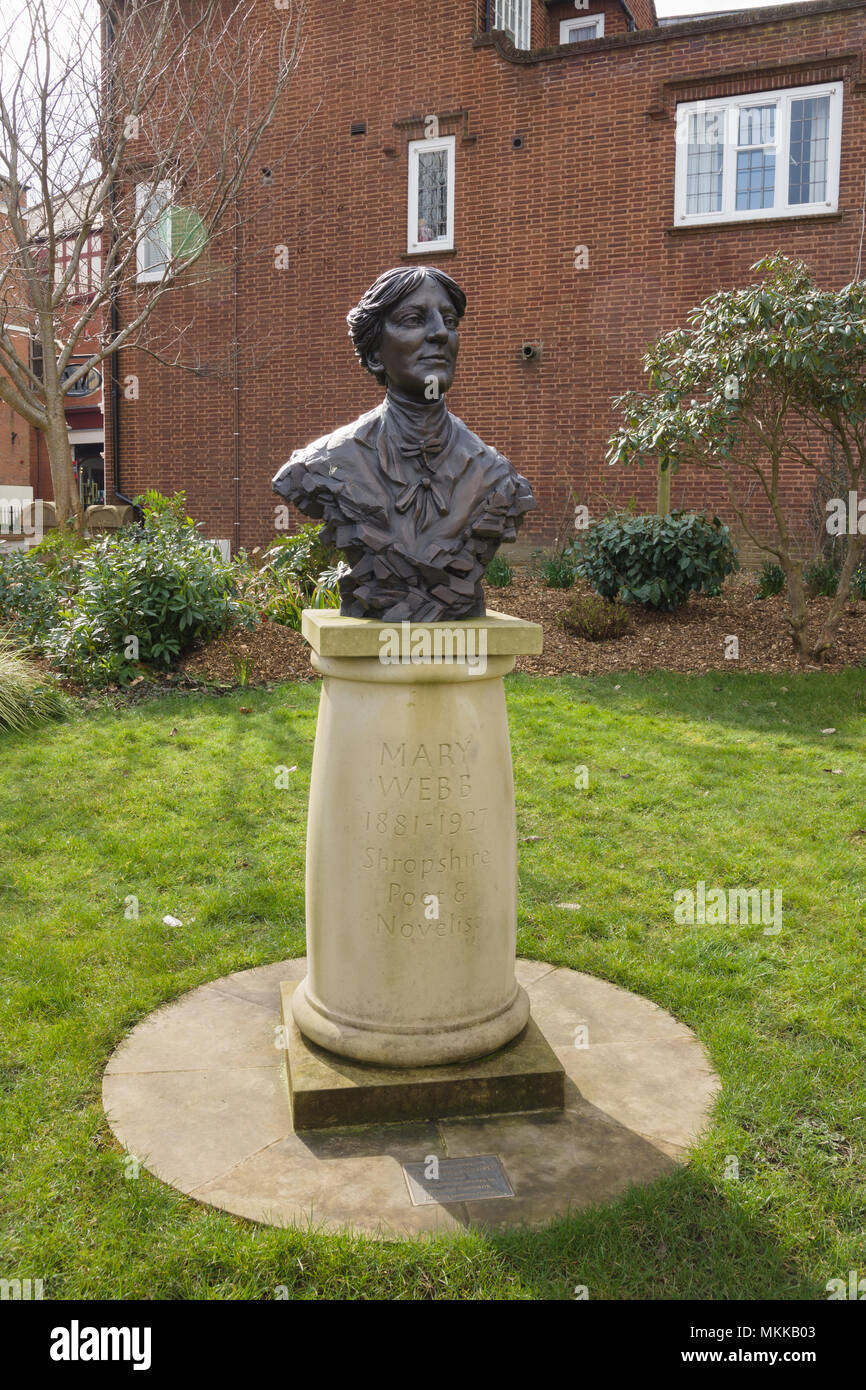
<point>719,778</point>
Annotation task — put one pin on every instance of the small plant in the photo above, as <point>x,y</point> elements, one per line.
<point>771,580</point>
<point>499,573</point>
<point>26,697</point>
<point>558,571</point>
<point>858,582</point>
<point>595,619</point>
<point>656,560</point>
<point>325,595</point>
<point>821,578</point>
<point>243,667</point>
<point>157,508</point>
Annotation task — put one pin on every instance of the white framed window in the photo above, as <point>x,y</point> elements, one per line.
<point>153,223</point>
<point>431,194</point>
<point>768,154</point>
<point>580,30</point>
<point>515,17</point>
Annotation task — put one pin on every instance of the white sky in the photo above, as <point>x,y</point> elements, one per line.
<point>668,8</point>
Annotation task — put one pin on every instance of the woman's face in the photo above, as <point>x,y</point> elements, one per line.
<point>420,339</point>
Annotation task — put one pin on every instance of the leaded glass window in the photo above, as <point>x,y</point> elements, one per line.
<point>810,148</point>
<point>431,194</point>
<point>704,167</point>
<point>756,157</point>
<point>772,154</point>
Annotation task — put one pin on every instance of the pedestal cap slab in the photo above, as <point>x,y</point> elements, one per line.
<point>330,634</point>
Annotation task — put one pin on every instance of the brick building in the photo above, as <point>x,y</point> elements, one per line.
<point>84,402</point>
<point>24,468</point>
<point>15,442</point>
<point>589,176</point>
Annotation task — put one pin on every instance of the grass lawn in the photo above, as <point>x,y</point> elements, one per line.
<point>722,778</point>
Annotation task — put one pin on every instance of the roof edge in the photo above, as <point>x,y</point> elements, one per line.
<point>737,19</point>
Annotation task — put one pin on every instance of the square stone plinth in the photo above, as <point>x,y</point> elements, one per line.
<point>331,634</point>
<point>328,1091</point>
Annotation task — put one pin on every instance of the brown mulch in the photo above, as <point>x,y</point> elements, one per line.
<point>692,639</point>
<point>273,653</point>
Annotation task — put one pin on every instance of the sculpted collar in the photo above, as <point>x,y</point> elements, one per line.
<point>414,444</point>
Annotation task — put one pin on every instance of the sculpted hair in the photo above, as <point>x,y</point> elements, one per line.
<point>366,319</point>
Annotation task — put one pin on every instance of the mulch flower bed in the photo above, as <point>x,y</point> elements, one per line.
<point>692,639</point>
<point>269,651</point>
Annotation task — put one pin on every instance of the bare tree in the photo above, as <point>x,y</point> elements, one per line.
<point>132,122</point>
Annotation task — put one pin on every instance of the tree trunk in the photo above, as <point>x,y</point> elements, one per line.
<point>663,492</point>
<point>67,501</point>
<point>827,636</point>
<point>797,615</point>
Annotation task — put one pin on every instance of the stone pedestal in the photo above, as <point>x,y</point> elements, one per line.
<point>411,885</point>
<point>328,1092</point>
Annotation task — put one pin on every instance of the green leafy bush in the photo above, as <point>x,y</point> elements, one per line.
<point>299,572</point>
<point>158,508</point>
<point>821,578</point>
<point>304,556</point>
<point>596,619</point>
<point>656,560</point>
<point>27,698</point>
<point>499,573</point>
<point>36,584</point>
<point>771,580</point>
<point>858,582</point>
<point>146,593</point>
<point>281,598</point>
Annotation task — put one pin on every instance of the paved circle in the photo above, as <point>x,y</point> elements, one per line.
<point>197,1092</point>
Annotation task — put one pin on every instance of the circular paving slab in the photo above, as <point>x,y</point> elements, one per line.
<point>198,1093</point>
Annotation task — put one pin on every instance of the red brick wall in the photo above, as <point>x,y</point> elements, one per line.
<point>596,168</point>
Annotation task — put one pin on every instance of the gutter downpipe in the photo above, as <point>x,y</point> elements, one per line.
<point>236,385</point>
<point>114,319</point>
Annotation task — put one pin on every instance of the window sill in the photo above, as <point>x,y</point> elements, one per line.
<point>799,219</point>
<point>413,255</point>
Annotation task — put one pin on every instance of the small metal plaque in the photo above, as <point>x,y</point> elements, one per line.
<point>456,1180</point>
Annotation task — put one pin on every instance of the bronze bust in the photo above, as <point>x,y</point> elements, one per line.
<point>418,503</point>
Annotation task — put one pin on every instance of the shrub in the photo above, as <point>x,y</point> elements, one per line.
<point>656,560</point>
<point>26,697</point>
<point>771,580</point>
<point>596,619</point>
<point>858,582</point>
<point>731,391</point>
<point>36,584</point>
<point>304,556</point>
<point>499,573</point>
<point>821,578</point>
<point>161,584</point>
<point>299,572</point>
<point>281,599</point>
<point>157,508</point>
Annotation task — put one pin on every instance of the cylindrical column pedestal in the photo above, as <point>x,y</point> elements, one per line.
<point>411,892</point>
